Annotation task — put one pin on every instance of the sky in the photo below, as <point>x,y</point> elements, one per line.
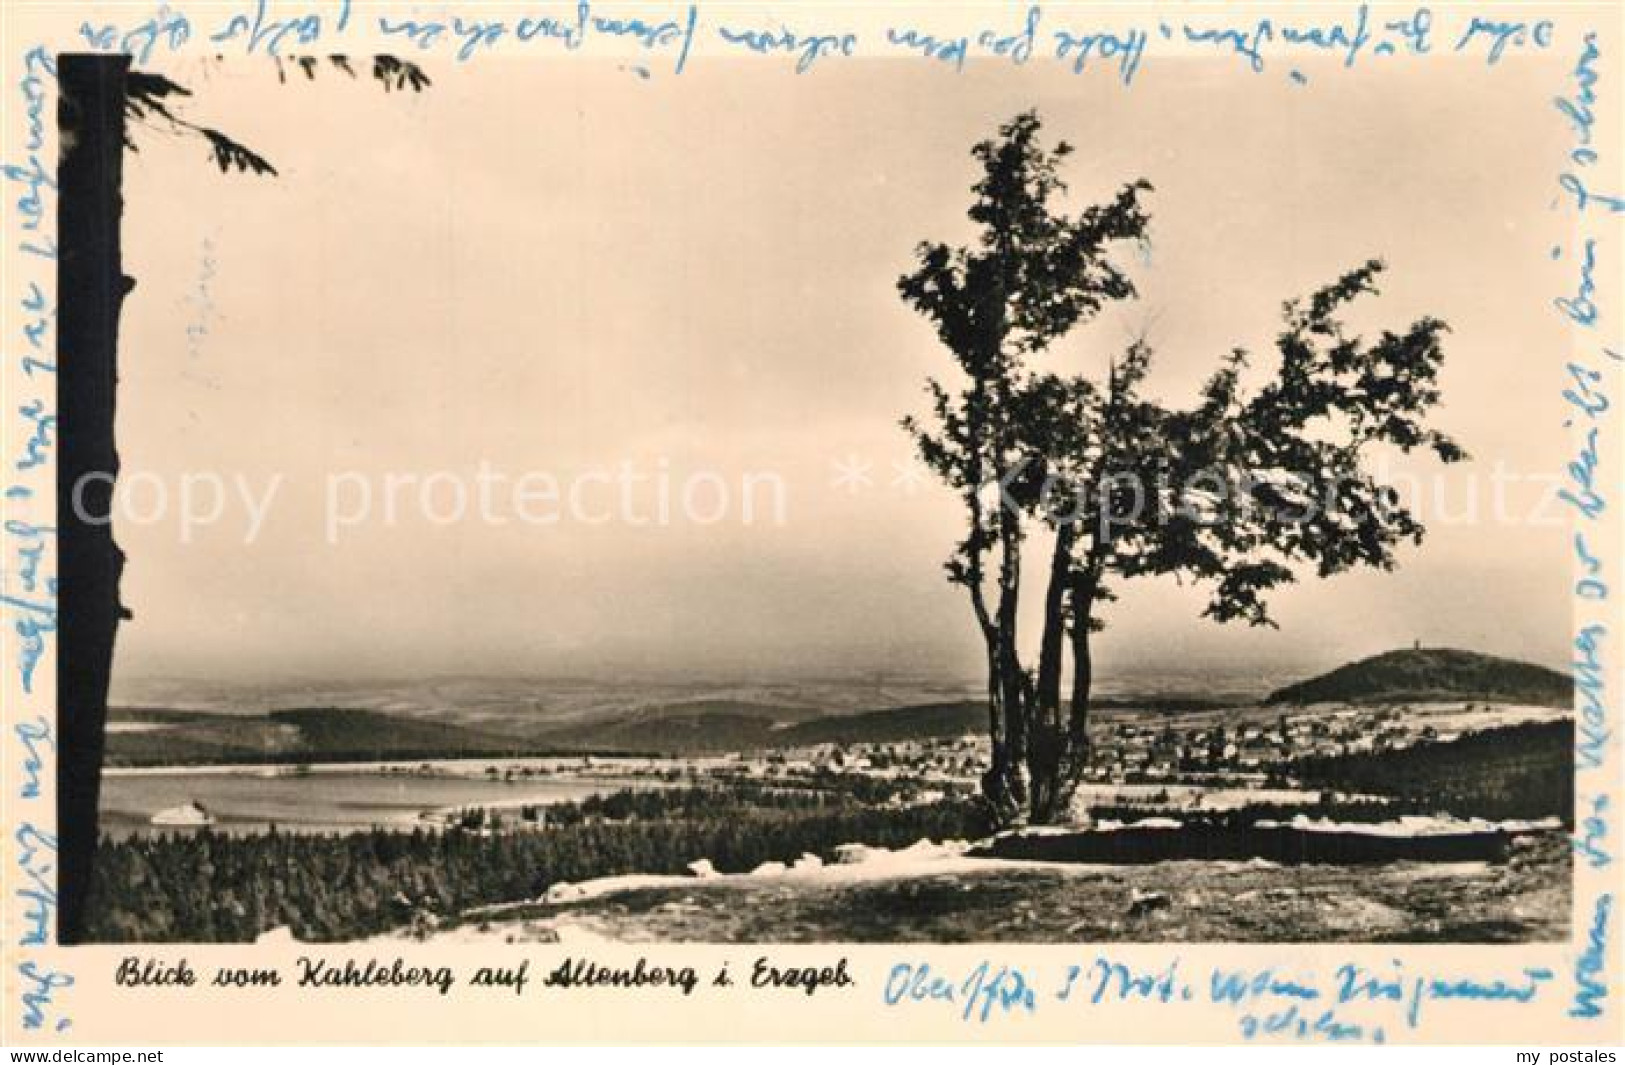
<point>567,270</point>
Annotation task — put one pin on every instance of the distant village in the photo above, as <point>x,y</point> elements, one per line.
<point>1255,753</point>
<point>1130,752</point>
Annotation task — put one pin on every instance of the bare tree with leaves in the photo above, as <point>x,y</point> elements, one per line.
<point>1231,493</point>
<point>100,101</point>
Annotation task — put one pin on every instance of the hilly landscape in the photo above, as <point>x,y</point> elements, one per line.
<point>184,737</point>
<point>1420,675</point>
<point>698,725</point>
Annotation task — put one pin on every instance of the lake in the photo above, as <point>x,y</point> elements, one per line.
<point>326,800</point>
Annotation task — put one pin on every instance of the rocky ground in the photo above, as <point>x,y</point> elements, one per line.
<point>947,897</point>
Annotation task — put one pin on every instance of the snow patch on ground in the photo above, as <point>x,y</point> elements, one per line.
<point>854,862</point>
<point>1413,827</point>
<point>859,862</point>
<point>611,885</point>
<point>1410,826</point>
<point>855,865</point>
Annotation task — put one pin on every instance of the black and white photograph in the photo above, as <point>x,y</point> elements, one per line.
<point>542,503</point>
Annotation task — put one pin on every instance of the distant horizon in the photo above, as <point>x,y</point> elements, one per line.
<point>1109,685</point>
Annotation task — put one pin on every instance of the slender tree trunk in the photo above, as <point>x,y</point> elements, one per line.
<point>1005,785</point>
<point>1048,744</point>
<point>1050,649</point>
<point>1014,690</point>
<point>90,289</point>
<point>998,782</point>
<point>1077,747</point>
<point>1001,784</point>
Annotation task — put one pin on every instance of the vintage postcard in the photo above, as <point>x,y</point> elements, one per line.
<point>571,522</point>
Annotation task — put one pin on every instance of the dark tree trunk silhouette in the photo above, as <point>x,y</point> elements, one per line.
<point>1075,753</point>
<point>90,290</point>
<point>97,95</point>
